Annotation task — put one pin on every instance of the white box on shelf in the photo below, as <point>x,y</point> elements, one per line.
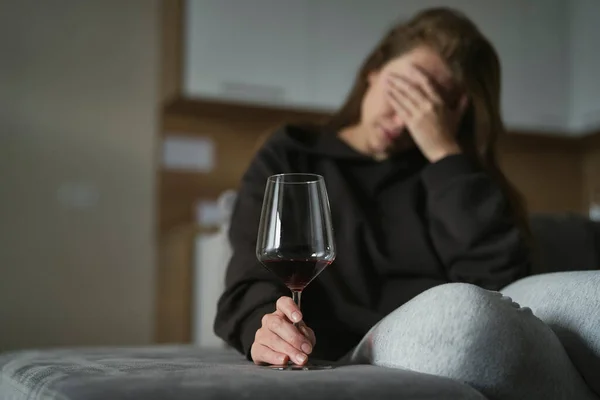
<point>194,154</point>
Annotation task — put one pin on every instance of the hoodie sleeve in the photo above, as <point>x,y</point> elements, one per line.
<point>250,290</point>
<point>471,225</point>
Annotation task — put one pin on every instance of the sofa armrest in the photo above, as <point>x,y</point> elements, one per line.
<point>565,242</point>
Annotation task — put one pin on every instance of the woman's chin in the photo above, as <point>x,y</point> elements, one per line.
<point>381,146</point>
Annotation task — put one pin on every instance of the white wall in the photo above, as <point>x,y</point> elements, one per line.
<point>585,67</point>
<point>78,97</point>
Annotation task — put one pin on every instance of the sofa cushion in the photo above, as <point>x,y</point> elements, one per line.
<point>188,373</point>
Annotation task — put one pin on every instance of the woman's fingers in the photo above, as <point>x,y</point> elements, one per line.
<point>277,344</point>
<point>399,104</point>
<point>279,340</point>
<point>287,306</point>
<point>262,354</point>
<point>405,93</point>
<point>308,333</point>
<point>425,84</point>
<point>286,331</point>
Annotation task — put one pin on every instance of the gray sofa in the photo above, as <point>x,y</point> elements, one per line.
<point>565,242</point>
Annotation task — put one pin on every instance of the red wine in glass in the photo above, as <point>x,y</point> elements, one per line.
<point>296,274</point>
<point>295,236</point>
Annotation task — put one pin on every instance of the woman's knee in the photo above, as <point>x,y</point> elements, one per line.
<point>463,332</point>
<point>456,330</point>
<point>470,310</point>
<point>475,317</point>
<point>458,321</point>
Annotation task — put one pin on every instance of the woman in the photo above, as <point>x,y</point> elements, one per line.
<point>427,228</point>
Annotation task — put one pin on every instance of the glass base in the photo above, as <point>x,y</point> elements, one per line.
<point>294,367</point>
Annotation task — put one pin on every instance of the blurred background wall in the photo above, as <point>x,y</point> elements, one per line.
<point>121,123</point>
<point>78,125</point>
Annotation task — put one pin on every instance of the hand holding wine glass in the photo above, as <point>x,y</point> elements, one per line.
<point>283,336</point>
<point>295,243</point>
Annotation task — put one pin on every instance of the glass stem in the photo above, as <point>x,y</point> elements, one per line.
<point>296,294</point>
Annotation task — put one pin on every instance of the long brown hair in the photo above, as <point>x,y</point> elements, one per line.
<point>476,68</point>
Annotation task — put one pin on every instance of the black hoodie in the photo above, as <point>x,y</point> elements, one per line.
<point>402,226</point>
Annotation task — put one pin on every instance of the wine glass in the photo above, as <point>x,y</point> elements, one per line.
<point>295,236</point>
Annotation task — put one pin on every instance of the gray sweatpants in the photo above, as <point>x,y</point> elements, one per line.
<point>488,341</point>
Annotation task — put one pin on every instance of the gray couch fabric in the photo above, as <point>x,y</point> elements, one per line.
<point>188,373</point>
<point>564,242</point>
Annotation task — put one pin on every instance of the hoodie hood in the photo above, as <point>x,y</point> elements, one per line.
<point>317,140</point>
